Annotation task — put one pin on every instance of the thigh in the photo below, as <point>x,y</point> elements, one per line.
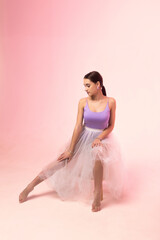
<point>98,163</point>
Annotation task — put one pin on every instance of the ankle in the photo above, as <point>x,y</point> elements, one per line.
<point>97,192</point>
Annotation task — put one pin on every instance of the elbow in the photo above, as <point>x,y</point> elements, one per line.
<point>111,126</point>
<point>78,127</point>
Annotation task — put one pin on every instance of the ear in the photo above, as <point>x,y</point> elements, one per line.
<point>98,84</point>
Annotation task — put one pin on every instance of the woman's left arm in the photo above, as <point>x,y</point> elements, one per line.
<point>111,120</point>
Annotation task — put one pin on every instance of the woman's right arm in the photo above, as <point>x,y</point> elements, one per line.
<point>78,126</point>
<point>77,130</point>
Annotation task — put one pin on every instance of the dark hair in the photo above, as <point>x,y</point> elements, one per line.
<point>95,77</point>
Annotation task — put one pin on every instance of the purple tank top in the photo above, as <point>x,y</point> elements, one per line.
<point>98,120</point>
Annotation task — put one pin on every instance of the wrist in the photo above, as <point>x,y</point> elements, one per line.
<point>99,138</point>
<point>71,151</point>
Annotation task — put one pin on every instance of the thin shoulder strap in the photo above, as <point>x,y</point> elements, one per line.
<point>108,102</point>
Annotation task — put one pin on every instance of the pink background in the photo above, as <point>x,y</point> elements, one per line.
<point>46,49</point>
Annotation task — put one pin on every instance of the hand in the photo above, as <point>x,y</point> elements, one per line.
<point>96,142</point>
<point>66,154</point>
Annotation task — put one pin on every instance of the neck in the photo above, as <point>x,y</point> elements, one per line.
<point>98,96</point>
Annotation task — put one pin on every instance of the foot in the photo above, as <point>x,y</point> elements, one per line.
<point>23,195</point>
<point>96,205</point>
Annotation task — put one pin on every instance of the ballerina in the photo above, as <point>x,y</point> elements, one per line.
<point>91,156</point>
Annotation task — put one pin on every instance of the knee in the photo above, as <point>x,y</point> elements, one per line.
<point>41,175</point>
<point>97,152</point>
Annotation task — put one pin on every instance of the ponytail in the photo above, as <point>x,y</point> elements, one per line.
<point>103,90</point>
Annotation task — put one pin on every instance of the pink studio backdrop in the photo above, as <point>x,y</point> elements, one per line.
<point>46,49</point>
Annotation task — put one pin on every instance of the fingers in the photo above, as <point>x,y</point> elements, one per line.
<point>96,144</point>
<point>61,157</point>
<point>68,160</point>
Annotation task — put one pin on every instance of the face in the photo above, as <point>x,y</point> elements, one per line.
<point>90,87</point>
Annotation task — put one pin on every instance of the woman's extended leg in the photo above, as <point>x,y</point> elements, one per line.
<point>51,169</point>
<point>98,177</point>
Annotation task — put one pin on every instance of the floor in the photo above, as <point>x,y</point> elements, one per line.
<point>44,215</point>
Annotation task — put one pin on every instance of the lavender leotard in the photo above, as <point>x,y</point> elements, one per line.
<point>98,120</point>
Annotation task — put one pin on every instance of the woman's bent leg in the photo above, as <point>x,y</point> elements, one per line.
<point>51,169</point>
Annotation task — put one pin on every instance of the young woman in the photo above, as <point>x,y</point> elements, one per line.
<point>91,156</point>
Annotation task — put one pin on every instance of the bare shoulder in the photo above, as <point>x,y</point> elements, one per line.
<point>112,103</point>
<point>79,121</point>
<point>82,102</point>
<point>112,99</point>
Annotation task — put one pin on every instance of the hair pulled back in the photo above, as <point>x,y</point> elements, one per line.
<point>95,76</point>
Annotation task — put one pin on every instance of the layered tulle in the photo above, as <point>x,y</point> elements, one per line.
<point>74,180</point>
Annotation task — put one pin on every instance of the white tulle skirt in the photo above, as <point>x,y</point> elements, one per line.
<point>74,180</point>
